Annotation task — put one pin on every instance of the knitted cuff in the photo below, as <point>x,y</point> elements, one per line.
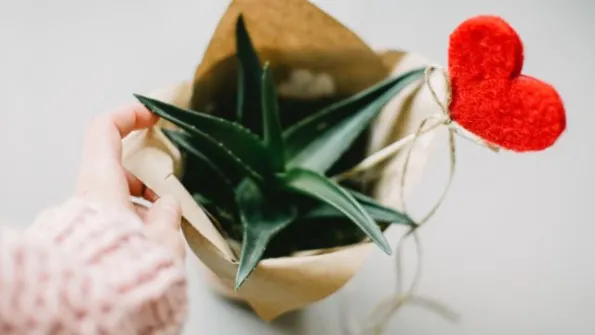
<point>87,230</point>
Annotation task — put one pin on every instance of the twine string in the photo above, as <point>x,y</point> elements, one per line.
<point>386,309</point>
<point>382,314</point>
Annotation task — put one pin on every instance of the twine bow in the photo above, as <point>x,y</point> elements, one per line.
<point>386,309</point>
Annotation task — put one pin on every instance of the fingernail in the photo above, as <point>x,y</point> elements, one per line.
<point>150,195</point>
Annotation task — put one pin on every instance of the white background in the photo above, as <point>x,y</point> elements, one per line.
<point>513,248</point>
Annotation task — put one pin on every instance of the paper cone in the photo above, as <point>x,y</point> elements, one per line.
<point>294,36</point>
<point>285,284</point>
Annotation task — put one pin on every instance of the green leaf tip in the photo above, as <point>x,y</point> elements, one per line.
<point>376,210</point>
<point>143,100</point>
<point>317,186</point>
<point>263,217</point>
<point>249,78</point>
<point>318,141</point>
<point>232,139</point>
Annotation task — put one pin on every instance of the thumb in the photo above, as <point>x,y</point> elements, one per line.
<point>163,223</point>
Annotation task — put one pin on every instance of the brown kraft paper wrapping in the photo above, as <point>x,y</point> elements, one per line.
<point>284,284</point>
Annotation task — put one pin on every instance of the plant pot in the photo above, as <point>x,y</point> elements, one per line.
<point>284,284</point>
<point>321,47</point>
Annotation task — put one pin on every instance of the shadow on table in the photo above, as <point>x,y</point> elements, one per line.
<point>288,324</point>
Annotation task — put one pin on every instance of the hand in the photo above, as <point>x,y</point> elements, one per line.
<point>103,179</point>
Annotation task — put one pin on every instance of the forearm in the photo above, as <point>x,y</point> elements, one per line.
<point>85,269</point>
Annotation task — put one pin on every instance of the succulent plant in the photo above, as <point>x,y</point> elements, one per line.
<point>251,170</point>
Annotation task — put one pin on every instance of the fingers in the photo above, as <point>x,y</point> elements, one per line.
<point>105,134</point>
<point>138,189</point>
<point>104,179</point>
<point>102,176</point>
<point>133,117</point>
<point>141,211</point>
<point>163,224</point>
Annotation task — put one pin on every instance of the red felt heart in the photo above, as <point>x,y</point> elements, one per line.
<point>490,97</point>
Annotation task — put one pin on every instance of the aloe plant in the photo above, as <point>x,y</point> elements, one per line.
<point>273,179</point>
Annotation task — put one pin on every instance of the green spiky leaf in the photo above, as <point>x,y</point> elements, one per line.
<point>377,211</point>
<point>211,178</point>
<point>229,136</point>
<point>240,95</point>
<point>316,186</point>
<point>391,214</point>
<point>217,152</point>
<point>224,217</point>
<point>263,217</point>
<point>250,73</point>
<point>272,132</point>
<point>319,141</point>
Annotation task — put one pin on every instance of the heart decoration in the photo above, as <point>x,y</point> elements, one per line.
<point>490,96</point>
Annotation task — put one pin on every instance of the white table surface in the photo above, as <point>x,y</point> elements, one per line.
<point>513,248</point>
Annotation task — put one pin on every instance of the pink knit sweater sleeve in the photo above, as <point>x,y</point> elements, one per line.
<point>84,269</point>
